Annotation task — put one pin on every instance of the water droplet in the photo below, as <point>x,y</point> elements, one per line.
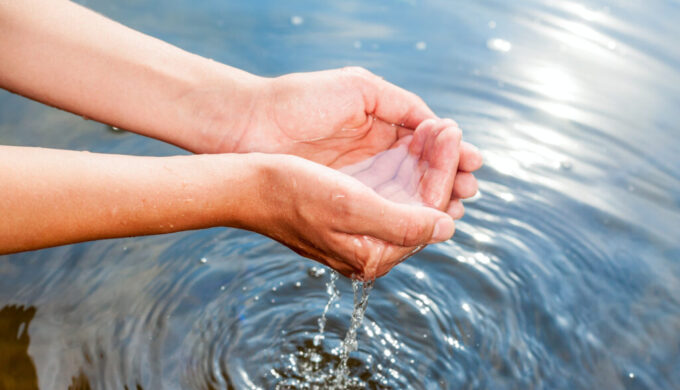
<point>298,284</point>
<point>222,288</point>
<point>316,272</point>
<point>357,44</point>
<point>315,358</point>
<point>566,165</point>
<point>631,375</point>
<point>296,20</point>
<point>203,260</point>
<point>421,45</point>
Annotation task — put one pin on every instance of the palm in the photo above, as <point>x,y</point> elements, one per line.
<point>419,169</point>
<point>328,117</point>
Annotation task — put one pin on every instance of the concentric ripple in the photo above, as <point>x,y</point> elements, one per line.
<point>563,274</point>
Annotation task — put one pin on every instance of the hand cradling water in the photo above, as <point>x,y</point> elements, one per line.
<point>415,171</point>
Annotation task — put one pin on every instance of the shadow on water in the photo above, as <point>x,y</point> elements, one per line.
<point>17,370</point>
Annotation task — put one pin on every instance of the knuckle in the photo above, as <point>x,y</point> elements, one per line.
<point>413,233</point>
<point>419,101</point>
<point>360,74</point>
<point>345,208</point>
<point>357,70</point>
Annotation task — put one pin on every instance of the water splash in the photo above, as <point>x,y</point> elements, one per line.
<point>333,295</point>
<point>311,367</point>
<point>350,343</point>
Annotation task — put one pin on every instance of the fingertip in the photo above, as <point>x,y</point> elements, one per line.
<point>443,229</point>
<point>471,158</point>
<point>465,185</point>
<point>452,134</point>
<point>426,124</point>
<point>450,122</point>
<point>456,209</point>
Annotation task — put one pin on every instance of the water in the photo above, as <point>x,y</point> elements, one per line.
<point>303,369</point>
<point>350,343</point>
<point>563,274</point>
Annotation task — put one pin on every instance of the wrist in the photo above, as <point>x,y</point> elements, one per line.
<point>220,106</point>
<point>248,188</point>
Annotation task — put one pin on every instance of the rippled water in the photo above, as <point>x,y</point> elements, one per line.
<point>565,272</point>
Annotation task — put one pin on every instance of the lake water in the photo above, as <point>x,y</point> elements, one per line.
<point>564,273</point>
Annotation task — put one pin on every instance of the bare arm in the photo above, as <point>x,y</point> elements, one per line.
<point>65,55</point>
<point>53,197</point>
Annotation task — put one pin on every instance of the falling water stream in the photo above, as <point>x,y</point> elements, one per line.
<point>306,361</point>
<point>563,274</point>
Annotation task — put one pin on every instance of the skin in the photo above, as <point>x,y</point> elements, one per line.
<point>55,197</point>
<point>67,56</point>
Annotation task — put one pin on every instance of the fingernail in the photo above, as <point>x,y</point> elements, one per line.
<point>443,230</point>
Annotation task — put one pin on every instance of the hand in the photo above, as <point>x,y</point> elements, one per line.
<point>420,169</point>
<point>333,218</point>
<point>335,118</point>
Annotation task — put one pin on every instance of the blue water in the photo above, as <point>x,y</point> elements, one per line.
<point>564,273</point>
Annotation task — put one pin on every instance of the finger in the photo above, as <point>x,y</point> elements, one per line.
<point>395,223</point>
<point>470,158</point>
<point>465,186</point>
<point>394,104</point>
<point>442,156</point>
<point>436,151</point>
<point>456,209</point>
<point>422,133</point>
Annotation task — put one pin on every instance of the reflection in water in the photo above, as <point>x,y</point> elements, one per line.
<point>17,370</point>
<point>563,274</point>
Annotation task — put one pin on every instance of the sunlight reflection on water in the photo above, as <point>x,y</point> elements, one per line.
<point>563,274</point>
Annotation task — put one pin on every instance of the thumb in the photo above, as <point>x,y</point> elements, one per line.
<point>403,224</point>
<point>391,103</point>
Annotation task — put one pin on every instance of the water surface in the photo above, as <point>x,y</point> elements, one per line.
<point>564,274</point>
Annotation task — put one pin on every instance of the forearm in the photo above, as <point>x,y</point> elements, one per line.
<point>53,197</point>
<point>62,54</point>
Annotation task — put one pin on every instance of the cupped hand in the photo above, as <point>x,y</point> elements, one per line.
<point>420,169</point>
<point>334,117</point>
<point>372,215</point>
<point>333,218</point>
